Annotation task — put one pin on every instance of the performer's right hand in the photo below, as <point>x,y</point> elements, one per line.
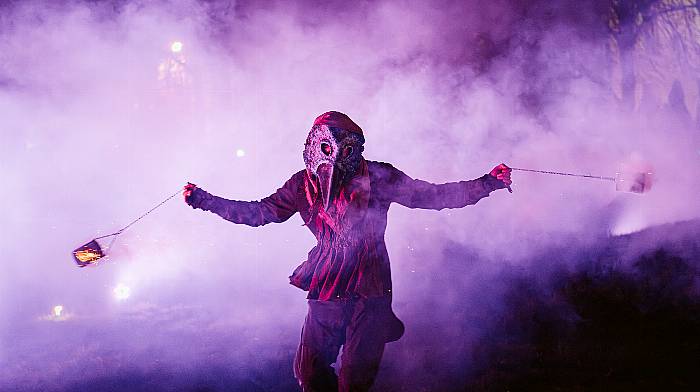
<point>187,191</point>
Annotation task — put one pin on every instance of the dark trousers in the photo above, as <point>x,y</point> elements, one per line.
<point>361,326</point>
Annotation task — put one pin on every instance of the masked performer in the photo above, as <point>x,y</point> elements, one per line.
<point>343,199</point>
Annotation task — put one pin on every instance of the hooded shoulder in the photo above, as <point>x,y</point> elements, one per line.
<point>381,170</point>
<point>383,179</point>
<point>292,192</point>
<point>299,174</point>
<point>297,179</point>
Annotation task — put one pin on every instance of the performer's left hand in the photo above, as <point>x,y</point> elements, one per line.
<point>187,191</point>
<point>502,172</point>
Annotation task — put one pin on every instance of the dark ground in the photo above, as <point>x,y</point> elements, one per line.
<point>620,321</point>
<point>623,315</point>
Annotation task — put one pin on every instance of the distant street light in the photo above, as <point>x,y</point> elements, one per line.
<point>122,292</point>
<point>176,47</point>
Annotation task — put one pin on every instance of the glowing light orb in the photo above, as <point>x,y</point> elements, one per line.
<point>176,47</point>
<point>57,310</point>
<point>122,292</point>
<point>240,153</point>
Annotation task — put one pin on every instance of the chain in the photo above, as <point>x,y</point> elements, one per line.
<point>139,218</point>
<point>565,174</point>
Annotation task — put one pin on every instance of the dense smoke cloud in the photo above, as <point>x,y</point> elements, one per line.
<point>102,117</point>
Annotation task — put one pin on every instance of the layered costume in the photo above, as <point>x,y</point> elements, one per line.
<point>343,199</point>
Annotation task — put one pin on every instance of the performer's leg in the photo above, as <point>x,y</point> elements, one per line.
<point>364,345</point>
<point>321,337</point>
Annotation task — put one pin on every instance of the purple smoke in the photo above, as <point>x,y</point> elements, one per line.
<point>103,115</point>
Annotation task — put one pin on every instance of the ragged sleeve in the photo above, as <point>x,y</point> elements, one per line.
<point>276,208</point>
<point>413,193</point>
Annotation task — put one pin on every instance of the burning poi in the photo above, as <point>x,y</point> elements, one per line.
<point>92,252</point>
<point>343,199</point>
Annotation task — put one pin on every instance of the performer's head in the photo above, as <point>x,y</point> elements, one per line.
<point>333,152</point>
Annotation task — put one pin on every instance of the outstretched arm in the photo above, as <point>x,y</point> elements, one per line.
<point>415,193</point>
<point>276,208</point>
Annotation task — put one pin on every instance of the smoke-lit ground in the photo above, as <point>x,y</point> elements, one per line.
<point>108,107</point>
<point>624,318</point>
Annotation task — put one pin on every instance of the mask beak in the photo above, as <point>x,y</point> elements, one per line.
<point>328,181</point>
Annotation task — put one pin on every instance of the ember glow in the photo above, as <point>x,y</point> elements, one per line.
<point>88,254</point>
<point>634,182</point>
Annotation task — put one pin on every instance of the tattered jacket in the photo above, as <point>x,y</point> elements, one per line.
<point>352,262</point>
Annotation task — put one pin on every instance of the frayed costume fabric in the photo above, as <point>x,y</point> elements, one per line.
<point>360,326</point>
<point>354,262</point>
<point>343,200</point>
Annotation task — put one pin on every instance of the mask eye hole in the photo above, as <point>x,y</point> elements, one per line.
<point>326,149</point>
<point>347,151</point>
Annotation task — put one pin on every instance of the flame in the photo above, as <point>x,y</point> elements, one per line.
<point>87,255</point>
